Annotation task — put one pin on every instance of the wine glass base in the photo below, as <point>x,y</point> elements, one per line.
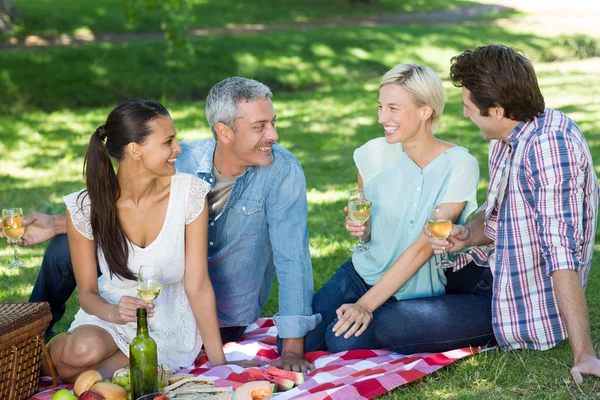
<point>16,263</point>
<point>361,248</point>
<point>446,264</point>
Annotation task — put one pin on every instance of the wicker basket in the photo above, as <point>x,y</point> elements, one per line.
<point>22,328</point>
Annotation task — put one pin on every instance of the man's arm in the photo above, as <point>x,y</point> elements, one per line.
<point>40,228</point>
<point>556,166</point>
<point>573,310</point>
<point>287,216</point>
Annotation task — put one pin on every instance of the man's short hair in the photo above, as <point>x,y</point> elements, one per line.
<point>423,83</point>
<point>497,75</point>
<point>223,98</point>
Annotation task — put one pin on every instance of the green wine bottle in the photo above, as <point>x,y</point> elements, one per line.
<point>142,360</point>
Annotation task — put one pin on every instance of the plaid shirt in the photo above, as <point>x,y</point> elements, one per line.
<point>543,220</point>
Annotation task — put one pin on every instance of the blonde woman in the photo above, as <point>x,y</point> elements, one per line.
<point>405,173</point>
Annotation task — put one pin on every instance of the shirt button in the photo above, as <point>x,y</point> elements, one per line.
<point>411,221</point>
<point>211,243</point>
<point>210,180</point>
<point>243,208</point>
<point>419,189</point>
<point>414,205</point>
<point>212,224</point>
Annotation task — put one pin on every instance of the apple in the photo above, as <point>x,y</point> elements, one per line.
<point>63,394</point>
<point>89,395</point>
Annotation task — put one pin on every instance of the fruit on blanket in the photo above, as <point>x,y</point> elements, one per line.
<point>89,395</point>
<point>296,377</point>
<point>85,381</point>
<point>256,374</point>
<point>109,391</point>
<point>257,390</point>
<point>63,394</point>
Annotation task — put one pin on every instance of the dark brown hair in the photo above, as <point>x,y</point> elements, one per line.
<point>125,124</point>
<point>497,75</point>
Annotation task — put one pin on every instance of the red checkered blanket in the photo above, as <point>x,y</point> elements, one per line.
<point>354,374</point>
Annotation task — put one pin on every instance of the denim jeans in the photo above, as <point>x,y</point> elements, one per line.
<point>56,283</point>
<point>345,286</point>
<point>458,319</point>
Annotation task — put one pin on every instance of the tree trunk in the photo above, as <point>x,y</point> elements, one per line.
<point>8,15</point>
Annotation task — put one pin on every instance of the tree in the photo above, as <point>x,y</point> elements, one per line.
<point>8,15</point>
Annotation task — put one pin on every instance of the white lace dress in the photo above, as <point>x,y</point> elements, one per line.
<point>173,326</point>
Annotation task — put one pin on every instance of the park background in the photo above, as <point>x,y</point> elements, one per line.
<point>64,64</point>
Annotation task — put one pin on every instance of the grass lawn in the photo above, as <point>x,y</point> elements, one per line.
<point>43,17</point>
<point>325,85</point>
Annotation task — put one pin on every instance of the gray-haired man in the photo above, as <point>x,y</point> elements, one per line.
<point>258,222</point>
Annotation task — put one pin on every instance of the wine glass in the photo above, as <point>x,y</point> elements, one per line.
<point>12,226</point>
<point>149,283</point>
<point>440,225</point>
<point>360,211</point>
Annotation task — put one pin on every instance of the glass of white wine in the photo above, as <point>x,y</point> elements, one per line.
<point>360,211</point>
<point>149,283</point>
<point>12,227</point>
<point>440,226</point>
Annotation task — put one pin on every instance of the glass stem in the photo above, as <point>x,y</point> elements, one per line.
<point>360,241</point>
<point>444,255</point>
<point>15,250</point>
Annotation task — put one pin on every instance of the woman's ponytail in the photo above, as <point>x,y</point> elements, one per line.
<point>103,189</point>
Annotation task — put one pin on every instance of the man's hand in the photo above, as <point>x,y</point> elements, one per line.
<point>39,228</point>
<point>293,362</point>
<point>588,365</point>
<point>353,319</point>
<point>458,239</point>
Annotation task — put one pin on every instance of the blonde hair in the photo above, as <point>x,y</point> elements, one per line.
<point>423,83</point>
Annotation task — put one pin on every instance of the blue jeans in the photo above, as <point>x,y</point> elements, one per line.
<point>461,318</point>
<point>56,283</point>
<point>345,286</point>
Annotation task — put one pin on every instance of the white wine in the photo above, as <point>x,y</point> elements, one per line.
<point>440,229</point>
<point>12,226</point>
<point>149,294</point>
<point>360,210</point>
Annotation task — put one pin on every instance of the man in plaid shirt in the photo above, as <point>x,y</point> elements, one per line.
<point>536,229</point>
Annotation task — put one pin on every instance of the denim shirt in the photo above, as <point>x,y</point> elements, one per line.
<point>261,230</point>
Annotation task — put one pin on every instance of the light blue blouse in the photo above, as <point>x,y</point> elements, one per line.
<point>403,197</point>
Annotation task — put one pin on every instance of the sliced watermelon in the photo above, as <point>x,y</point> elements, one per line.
<point>296,377</point>
<point>256,374</point>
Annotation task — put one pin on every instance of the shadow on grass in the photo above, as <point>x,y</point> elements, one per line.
<point>288,61</point>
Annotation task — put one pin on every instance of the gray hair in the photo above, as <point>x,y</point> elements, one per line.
<point>223,98</point>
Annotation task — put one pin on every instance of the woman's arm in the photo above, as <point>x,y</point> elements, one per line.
<point>84,265</point>
<point>355,318</point>
<point>199,290</point>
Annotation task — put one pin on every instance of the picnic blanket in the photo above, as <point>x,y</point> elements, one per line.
<point>354,374</point>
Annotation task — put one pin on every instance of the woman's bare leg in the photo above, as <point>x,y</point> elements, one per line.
<point>87,347</point>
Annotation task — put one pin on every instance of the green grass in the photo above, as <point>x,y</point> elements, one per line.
<point>43,17</point>
<point>325,85</point>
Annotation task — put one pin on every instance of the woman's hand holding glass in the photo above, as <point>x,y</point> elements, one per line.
<point>353,319</point>
<point>359,211</point>
<point>125,310</point>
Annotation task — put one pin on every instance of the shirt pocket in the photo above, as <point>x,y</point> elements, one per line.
<point>246,218</point>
